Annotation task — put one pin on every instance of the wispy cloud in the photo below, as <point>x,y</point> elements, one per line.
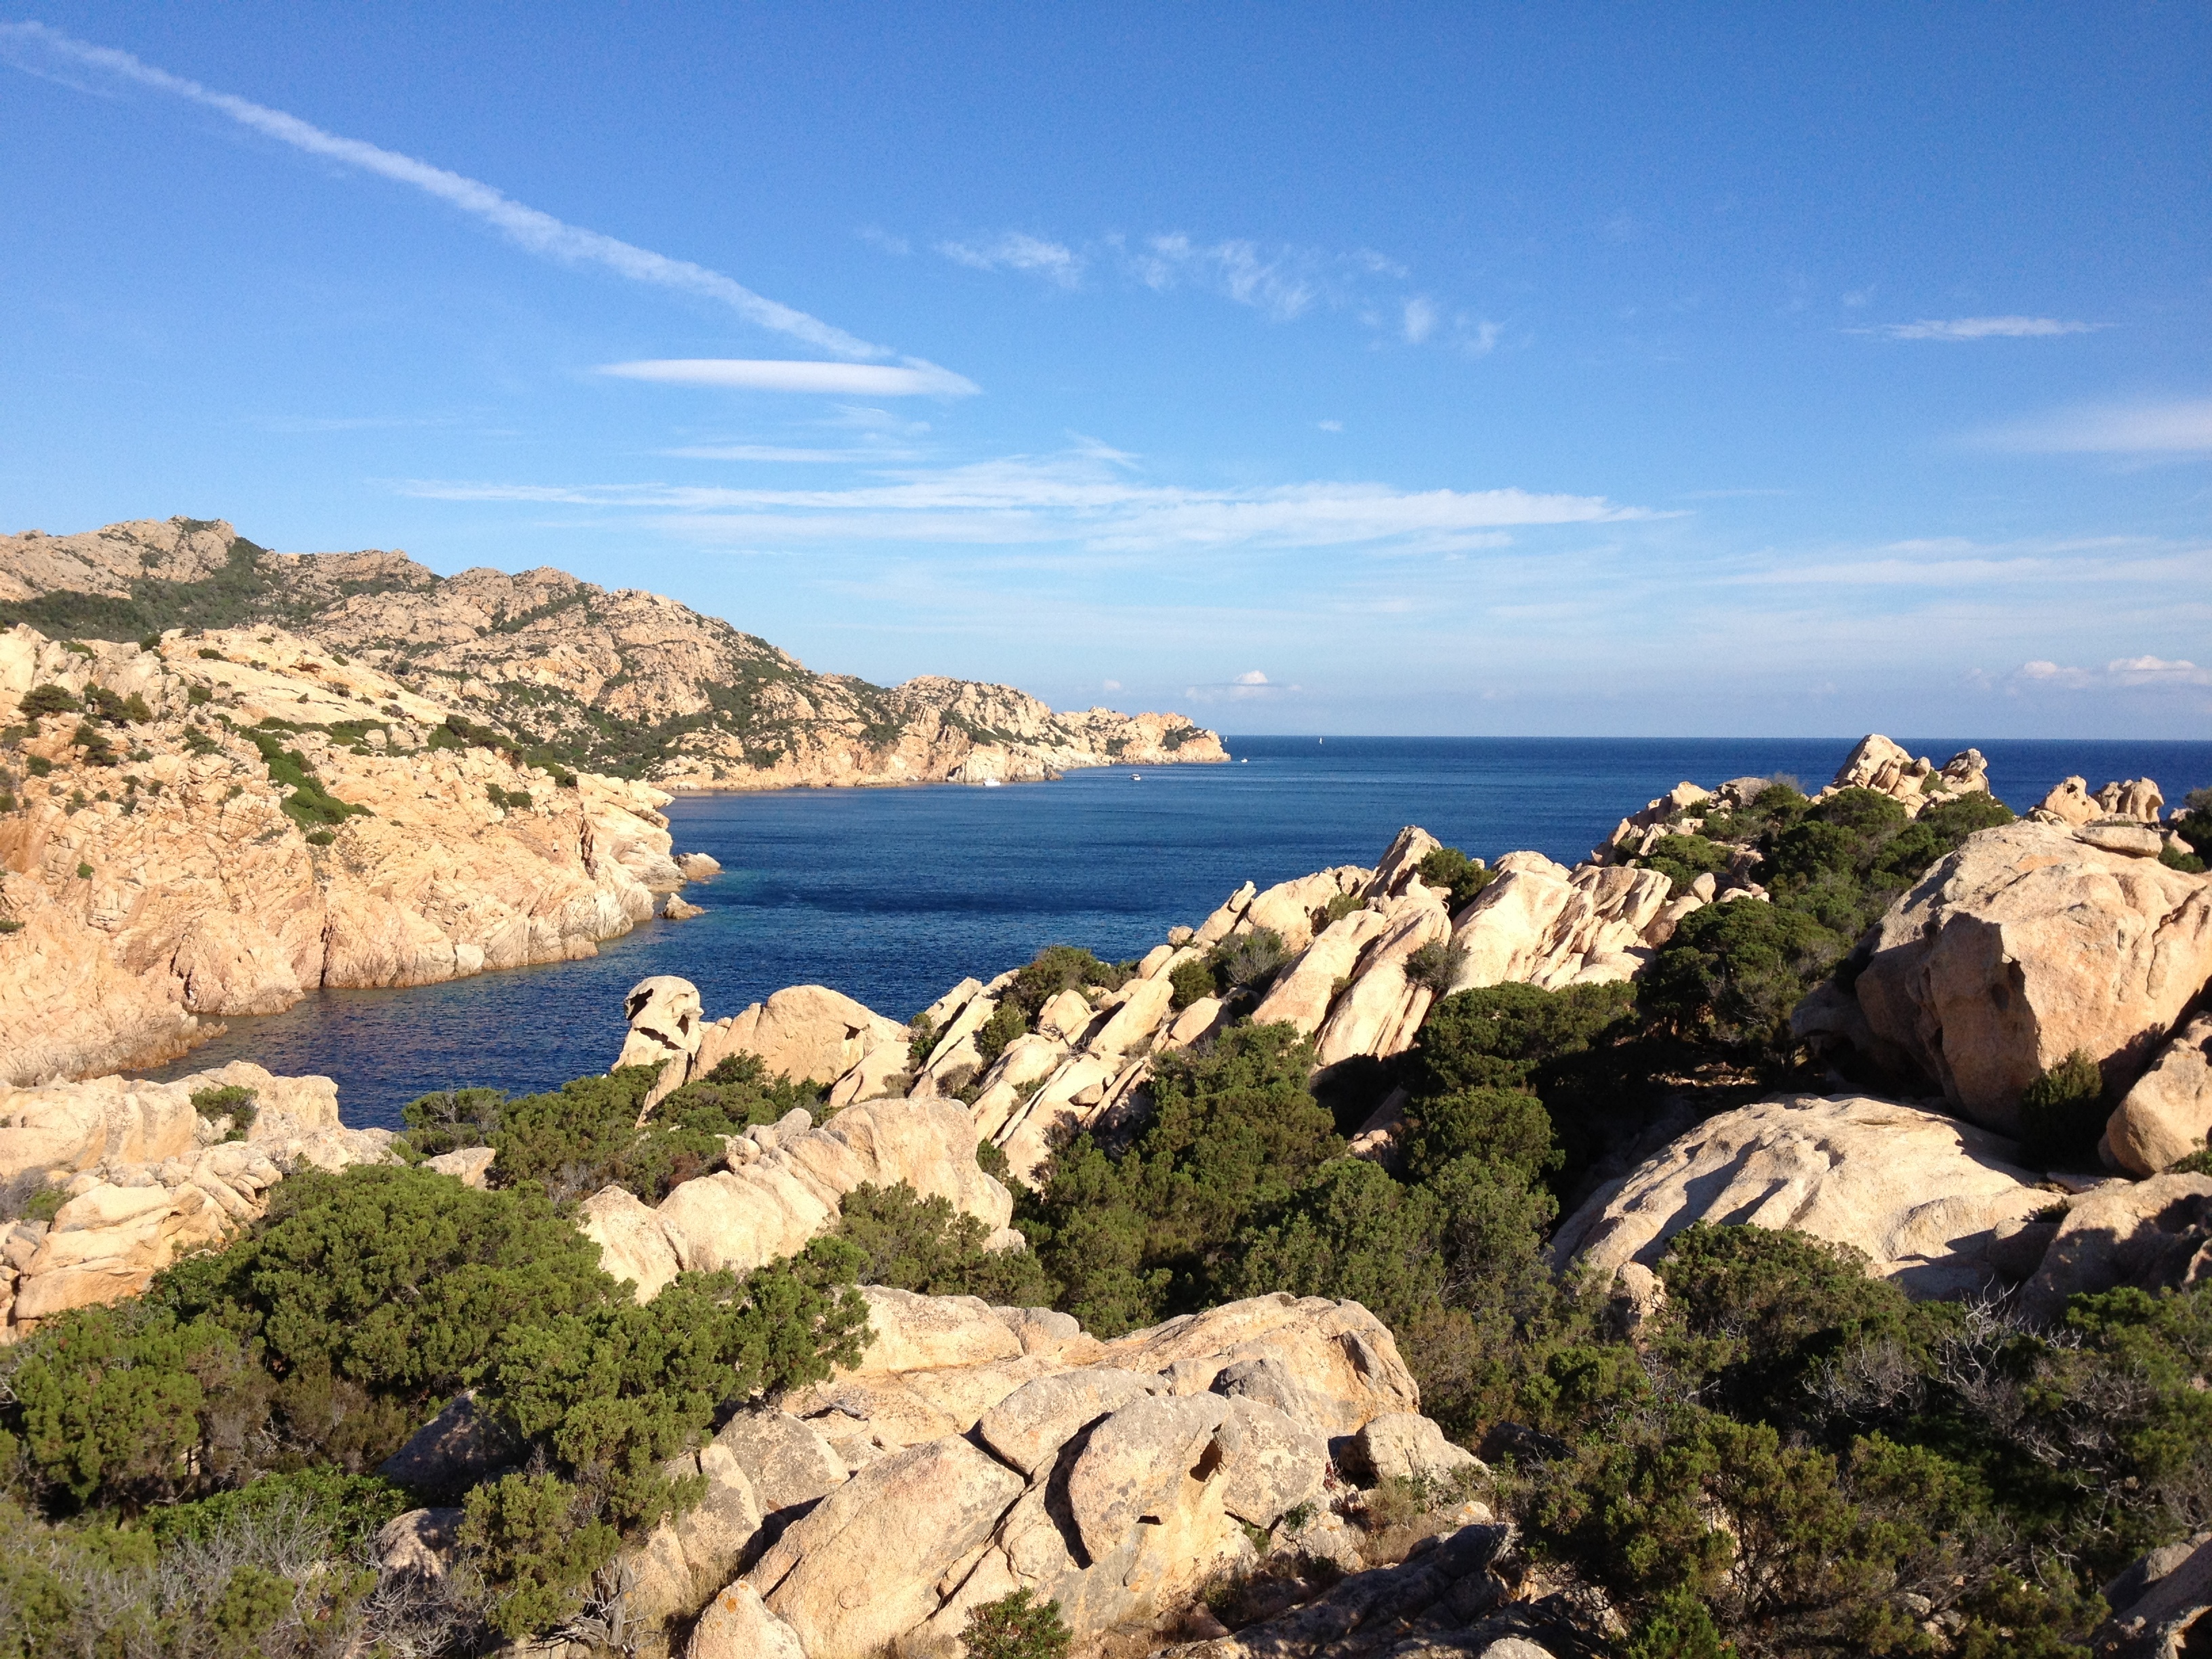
<point>1957,562</point>
<point>767,374</point>
<point>1243,689</point>
<point>1979,328</point>
<point>1082,500</point>
<point>1018,250</point>
<point>779,453</point>
<point>42,51</point>
<point>2178,427</point>
<point>2122,673</point>
<point>1420,316</point>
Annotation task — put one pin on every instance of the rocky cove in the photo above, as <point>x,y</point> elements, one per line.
<point>214,820</point>
<point>1400,1152</point>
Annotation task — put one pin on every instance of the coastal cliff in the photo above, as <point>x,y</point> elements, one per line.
<point>221,825</point>
<point>620,681</point>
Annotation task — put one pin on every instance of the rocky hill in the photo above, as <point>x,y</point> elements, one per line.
<point>220,824</point>
<point>619,682</point>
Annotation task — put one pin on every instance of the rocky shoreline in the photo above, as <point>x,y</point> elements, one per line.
<point>1221,1486</point>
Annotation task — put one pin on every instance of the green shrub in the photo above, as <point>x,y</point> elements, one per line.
<point>1732,972</point>
<point>349,1510</point>
<point>1683,858</point>
<point>1008,1020</point>
<point>535,1536</point>
<point>2197,1163</point>
<point>98,751</point>
<point>229,1101</point>
<point>1435,965</point>
<point>1192,981</point>
<point>1233,1132</point>
<point>321,837</point>
<point>49,699</point>
<point>1016,1626</point>
<point>1249,961</point>
<point>922,1038</point>
<point>2062,1113</point>
<point>389,1283</point>
<point>38,765</point>
<point>923,1244</point>
<point>1448,870</point>
<point>84,871</point>
<point>1504,1127</point>
<point>1496,1036</point>
<point>1679,1626</point>
<point>308,804</point>
<point>570,1142</point>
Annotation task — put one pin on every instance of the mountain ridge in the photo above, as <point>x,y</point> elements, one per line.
<point>617,681</point>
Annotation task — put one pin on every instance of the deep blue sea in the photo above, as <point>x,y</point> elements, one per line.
<point>891,896</point>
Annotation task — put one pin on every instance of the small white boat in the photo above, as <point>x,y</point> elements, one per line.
<point>992,783</point>
<point>1136,777</point>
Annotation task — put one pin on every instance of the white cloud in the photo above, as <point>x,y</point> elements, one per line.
<point>1980,328</point>
<point>40,50</point>
<point>1112,686</point>
<point>886,240</point>
<point>1330,426</point>
<point>1255,677</point>
<point>1421,319</point>
<point>777,452</point>
<point>1018,250</point>
<point>2122,673</point>
<point>918,379</point>
<point>1480,339</point>
<point>2181,427</point>
<point>1285,284</point>
<point>1083,501</point>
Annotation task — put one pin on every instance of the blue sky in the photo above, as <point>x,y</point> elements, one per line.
<point>1410,370</point>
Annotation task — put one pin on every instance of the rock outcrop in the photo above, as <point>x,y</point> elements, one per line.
<point>785,1186</point>
<point>155,876</point>
<point>2029,943</point>
<point>2168,1113</point>
<point>149,1177</point>
<point>1943,1207</point>
<point>984,1450</point>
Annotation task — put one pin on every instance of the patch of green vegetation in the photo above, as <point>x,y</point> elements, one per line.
<point>49,699</point>
<point>570,1142</point>
<point>230,1101</point>
<point>308,805</point>
<point>1448,870</point>
<point>2063,1113</point>
<point>923,1244</point>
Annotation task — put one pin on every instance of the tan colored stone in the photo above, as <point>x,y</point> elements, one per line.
<point>2020,947</point>
<point>786,1459</point>
<point>737,1624</point>
<point>2167,1115</point>
<point>632,1245</point>
<point>1930,1199</point>
<point>1030,1425</point>
<point>862,1568</point>
<point>2153,1235</point>
<point>1408,1445</point>
<point>1303,995</point>
<point>801,1031</point>
<point>1378,1014</point>
<point>1143,1005</point>
<point>913,1332</point>
<point>1401,862</point>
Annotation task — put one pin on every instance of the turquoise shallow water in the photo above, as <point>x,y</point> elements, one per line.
<point>892,894</point>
